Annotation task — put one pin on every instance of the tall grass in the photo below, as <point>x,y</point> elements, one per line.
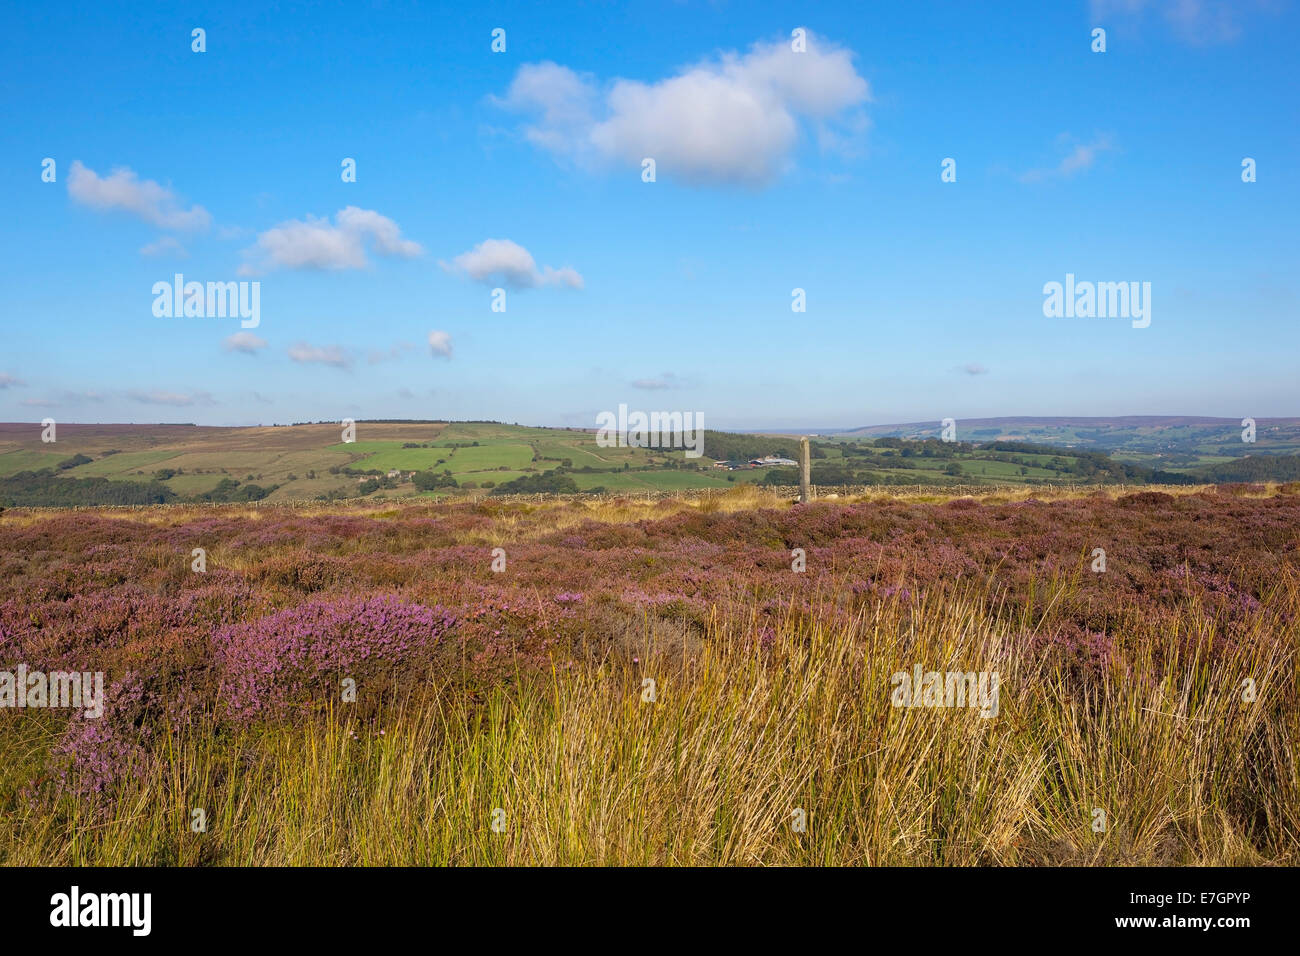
<point>744,731</point>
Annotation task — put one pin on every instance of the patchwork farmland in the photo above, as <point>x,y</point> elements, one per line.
<point>175,463</point>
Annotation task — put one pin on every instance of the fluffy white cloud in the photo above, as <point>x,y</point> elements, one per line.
<point>123,190</point>
<point>245,342</point>
<point>440,343</point>
<point>733,119</point>
<point>565,100</point>
<point>313,243</point>
<point>508,263</point>
<point>320,355</point>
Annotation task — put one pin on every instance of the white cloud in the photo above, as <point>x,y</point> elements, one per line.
<point>313,243</point>
<point>565,100</point>
<point>1196,22</point>
<point>397,351</point>
<point>440,343</point>
<point>666,380</point>
<point>502,261</point>
<point>333,355</point>
<point>385,233</point>
<point>732,119</point>
<point>66,397</point>
<point>974,368</point>
<point>8,381</point>
<point>123,190</point>
<point>1080,158</point>
<point>160,397</point>
<point>245,342</point>
<point>165,246</point>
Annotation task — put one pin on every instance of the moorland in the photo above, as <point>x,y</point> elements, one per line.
<point>702,678</point>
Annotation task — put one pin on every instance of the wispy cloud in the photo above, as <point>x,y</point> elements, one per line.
<point>245,342</point>
<point>1197,22</point>
<point>9,381</point>
<point>664,381</point>
<point>165,246</point>
<point>391,354</point>
<point>66,397</point>
<point>161,397</point>
<point>123,191</point>
<point>334,355</point>
<point>1081,156</point>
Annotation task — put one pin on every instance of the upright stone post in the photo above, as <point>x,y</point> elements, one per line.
<point>805,472</point>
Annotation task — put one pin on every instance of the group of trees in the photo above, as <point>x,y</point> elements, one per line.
<point>230,490</point>
<point>45,488</point>
<point>728,446</point>
<point>548,482</point>
<point>432,480</point>
<point>1253,469</point>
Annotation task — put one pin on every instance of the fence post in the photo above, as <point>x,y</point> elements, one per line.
<point>805,469</point>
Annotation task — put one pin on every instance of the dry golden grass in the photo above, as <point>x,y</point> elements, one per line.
<point>739,737</point>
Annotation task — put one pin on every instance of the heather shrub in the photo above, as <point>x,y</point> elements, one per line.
<point>291,658</point>
<point>96,754</point>
<point>1144,499</point>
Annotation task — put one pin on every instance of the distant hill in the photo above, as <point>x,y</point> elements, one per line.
<point>1130,437</point>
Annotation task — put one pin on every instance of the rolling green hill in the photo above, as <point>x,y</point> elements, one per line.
<point>105,464</point>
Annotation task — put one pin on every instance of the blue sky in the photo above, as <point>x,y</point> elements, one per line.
<point>774,171</point>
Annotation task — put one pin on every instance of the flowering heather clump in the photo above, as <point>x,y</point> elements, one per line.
<point>267,666</point>
<point>102,751</point>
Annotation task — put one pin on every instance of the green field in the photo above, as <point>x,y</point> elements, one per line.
<point>389,455</point>
<point>13,462</point>
<point>124,465</point>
